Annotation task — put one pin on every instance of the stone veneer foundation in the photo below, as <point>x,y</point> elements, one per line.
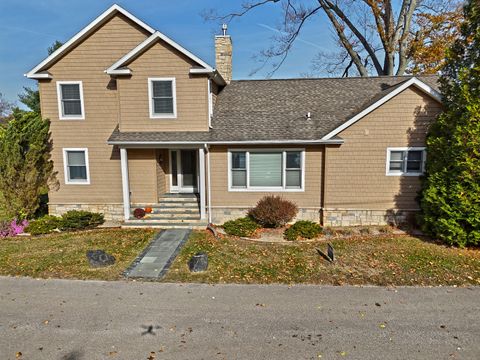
<point>220,215</point>
<point>111,212</point>
<point>350,217</point>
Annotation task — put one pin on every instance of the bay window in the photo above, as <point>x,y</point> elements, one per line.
<point>266,170</point>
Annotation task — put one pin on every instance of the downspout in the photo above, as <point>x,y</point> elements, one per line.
<point>209,197</point>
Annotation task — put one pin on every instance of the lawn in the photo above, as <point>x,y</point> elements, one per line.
<point>63,255</point>
<point>386,260</point>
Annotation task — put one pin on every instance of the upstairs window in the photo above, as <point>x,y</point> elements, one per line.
<point>406,161</point>
<point>162,98</point>
<point>76,166</point>
<point>266,170</point>
<point>70,100</point>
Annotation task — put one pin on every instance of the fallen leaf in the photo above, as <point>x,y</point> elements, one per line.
<point>18,354</point>
<point>382,326</point>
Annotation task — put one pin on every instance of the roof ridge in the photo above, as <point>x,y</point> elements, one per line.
<point>342,78</point>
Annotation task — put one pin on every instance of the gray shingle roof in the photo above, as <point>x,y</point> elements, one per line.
<point>272,110</point>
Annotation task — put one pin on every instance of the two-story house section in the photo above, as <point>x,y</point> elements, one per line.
<point>138,120</point>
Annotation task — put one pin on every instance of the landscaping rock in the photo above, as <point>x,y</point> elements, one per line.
<point>99,258</point>
<point>198,262</point>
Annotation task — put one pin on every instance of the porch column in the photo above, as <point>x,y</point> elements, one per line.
<point>125,183</point>
<point>201,185</point>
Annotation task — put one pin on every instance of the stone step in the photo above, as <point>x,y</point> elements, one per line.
<point>168,205</point>
<point>171,216</point>
<point>167,221</point>
<point>186,211</point>
<point>177,199</point>
<point>179,195</point>
<point>164,225</point>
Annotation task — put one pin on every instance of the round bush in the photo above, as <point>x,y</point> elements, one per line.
<point>273,211</point>
<point>303,229</point>
<point>243,227</point>
<point>138,213</point>
<point>43,225</point>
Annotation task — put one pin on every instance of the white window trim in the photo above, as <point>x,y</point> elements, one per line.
<point>282,188</point>
<point>59,97</point>
<point>150,98</point>
<point>424,158</point>
<point>65,167</point>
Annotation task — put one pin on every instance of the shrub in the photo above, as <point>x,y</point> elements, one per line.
<point>138,213</point>
<point>241,227</point>
<point>303,229</point>
<point>273,211</point>
<point>79,220</point>
<point>12,228</point>
<point>44,225</point>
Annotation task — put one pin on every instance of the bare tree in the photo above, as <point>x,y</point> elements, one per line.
<point>372,35</point>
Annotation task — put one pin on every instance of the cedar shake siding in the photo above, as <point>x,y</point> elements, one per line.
<point>356,170</point>
<point>230,204</point>
<point>162,61</point>
<point>87,63</point>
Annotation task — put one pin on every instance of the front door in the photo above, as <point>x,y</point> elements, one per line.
<point>183,169</point>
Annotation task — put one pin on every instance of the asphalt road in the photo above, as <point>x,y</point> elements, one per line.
<point>87,320</point>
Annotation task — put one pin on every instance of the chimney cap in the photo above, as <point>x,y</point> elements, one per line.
<point>224,29</point>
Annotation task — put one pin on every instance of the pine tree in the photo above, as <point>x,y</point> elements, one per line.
<point>451,191</point>
<point>26,168</point>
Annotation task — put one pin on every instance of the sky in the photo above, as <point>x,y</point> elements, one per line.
<point>29,27</point>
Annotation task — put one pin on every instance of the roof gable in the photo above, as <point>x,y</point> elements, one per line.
<point>118,68</point>
<point>38,73</point>
<point>389,94</point>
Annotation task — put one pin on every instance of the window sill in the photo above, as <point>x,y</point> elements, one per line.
<point>77,183</point>
<point>264,190</point>
<point>72,118</point>
<point>154,117</point>
<point>404,174</point>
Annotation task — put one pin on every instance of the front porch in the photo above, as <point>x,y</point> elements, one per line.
<point>170,181</point>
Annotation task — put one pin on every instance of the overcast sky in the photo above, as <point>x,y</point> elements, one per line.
<point>29,27</point>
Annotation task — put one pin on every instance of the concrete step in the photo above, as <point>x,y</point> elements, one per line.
<point>167,221</point>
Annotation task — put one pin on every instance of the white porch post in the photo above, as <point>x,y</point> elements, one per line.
<point>125,183</point>
<point>201,187</point>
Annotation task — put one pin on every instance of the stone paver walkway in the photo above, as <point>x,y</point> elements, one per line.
<point>154,262</point>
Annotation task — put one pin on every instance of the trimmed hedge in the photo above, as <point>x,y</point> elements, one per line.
<point>80,220</point>
<point>243,227</point>
<point>303,229</point>
<point>44,225</point>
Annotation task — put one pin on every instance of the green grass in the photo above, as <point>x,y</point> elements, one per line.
<point>387,260</point>
<point>63,255</point>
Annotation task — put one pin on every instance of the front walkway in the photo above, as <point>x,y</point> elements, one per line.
<point>154,262</point>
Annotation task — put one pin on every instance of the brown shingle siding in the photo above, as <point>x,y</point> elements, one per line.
<point>356,170</point>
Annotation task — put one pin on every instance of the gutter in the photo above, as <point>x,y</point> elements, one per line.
<point>246,142</point>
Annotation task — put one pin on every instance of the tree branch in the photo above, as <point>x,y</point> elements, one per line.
<point>343,39</point>
<point>358,34</point>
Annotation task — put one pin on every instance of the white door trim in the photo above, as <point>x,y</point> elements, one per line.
<point>180,188</point>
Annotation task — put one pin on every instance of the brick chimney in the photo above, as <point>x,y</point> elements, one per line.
<point>223,54</point>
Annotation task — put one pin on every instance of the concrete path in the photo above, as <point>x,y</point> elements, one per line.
<point>154,262</point>
<point>86,320</point>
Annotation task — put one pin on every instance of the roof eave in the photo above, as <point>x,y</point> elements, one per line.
<point>427,89</point>
<point>336,141</point>
<point>146,43</point>
<point>35,72</point>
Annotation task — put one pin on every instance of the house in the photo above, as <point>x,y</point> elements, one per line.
<point>138,120</point>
